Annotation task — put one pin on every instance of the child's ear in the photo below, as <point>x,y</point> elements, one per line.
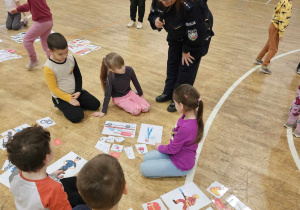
<point>181,106</point>
<point>49,51</point>
<point>125,191</point>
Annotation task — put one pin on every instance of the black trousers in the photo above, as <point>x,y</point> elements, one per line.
<point>133,8</point>
<point>178,74</point>
<point>70,188</point>
<point>75,113</point>
<point>13,21</point>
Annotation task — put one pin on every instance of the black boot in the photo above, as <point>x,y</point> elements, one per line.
<point>298,69</point>
<point>171,107</point>
<point>163,98</point>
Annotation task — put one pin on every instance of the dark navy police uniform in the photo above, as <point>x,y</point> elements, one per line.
<point>187,32</point>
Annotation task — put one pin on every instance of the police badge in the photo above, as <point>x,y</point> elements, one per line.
<point>193,35</point>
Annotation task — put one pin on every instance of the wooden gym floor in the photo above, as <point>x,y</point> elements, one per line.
<point>246,147</point>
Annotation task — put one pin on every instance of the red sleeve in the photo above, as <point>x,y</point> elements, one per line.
<point>53,195</point>
<point>23,8</point>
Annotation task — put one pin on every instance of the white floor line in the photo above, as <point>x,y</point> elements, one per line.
<point>268,2</point>
<point>289,135</point>
<point>190,176</point>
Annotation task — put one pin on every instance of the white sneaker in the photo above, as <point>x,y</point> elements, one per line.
<point>139,25</point>
<point>30,65</point>
<point>130,24</point>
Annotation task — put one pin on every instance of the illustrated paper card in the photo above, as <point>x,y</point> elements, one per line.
<point>119,139</point>
<point>4,178</point>
<point>219,203</point>
<point>82,47</point>
<point>103,146</point>
<point>21,127</point>
<point>129,152</point>
<point>141,148</point>
<point>117,147</point>
<point>119,129</point>
<point>236,203</point>
<point>46,122</point>
<point>6,55</point>
<point>71,164</point>
<point>110,139</point>
<point>7,165</point>
<point>103,138</point>
<point>150,134</point>
<point>6,136</point>
<point>188,196</point>
<point>217,189</point>
<point>115,154</point>
<point>154,205</point>
<point>209,208</point>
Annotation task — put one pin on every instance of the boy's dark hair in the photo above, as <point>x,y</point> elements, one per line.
<point>101,182</point>
<point>28,148</point>
<point>189,97</point>
<point>57,41</point>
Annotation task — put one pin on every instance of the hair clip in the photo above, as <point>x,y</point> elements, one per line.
<point>199,99</point>
<point>186,96</point>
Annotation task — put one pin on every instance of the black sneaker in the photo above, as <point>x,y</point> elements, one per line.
<point>163,98</point>
<point>298,69</point>
<point>171,107</point>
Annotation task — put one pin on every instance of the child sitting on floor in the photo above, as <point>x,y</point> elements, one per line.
<point>115,80</point>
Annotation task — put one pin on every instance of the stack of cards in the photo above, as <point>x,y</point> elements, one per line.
<point>6,55</point>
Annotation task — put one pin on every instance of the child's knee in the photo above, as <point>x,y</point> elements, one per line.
<point>76,118</point>
<point>143,169</point>
<point>9,27</point>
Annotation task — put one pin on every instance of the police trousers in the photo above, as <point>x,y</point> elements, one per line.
<point>178,74</point>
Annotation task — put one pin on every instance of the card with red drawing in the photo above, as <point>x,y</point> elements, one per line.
<point>117,147</point>
<point>154,205</point>
<point>219,204</point>
<point>115,154</point>
<point>217,189</point>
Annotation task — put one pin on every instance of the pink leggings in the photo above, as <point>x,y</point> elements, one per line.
<point>38,29</point>
<point>132,103</point>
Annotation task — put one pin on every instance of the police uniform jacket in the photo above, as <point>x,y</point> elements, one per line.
<point>191,23</point>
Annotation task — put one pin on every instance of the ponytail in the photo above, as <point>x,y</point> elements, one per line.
<point>103,74</point>
<point>200,123</point>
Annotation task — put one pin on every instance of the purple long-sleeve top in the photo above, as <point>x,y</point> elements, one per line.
<point>182,149</point>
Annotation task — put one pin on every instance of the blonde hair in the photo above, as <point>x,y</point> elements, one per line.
<point>111,61</point>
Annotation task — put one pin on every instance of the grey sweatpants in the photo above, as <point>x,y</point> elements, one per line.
<point>13,21</point>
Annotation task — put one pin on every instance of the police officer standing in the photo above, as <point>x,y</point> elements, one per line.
<point>189,27</point>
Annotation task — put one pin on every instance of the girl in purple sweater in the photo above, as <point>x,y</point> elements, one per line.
<point>178,157</point>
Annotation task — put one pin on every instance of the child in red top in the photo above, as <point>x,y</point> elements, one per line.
<point>41,27</point>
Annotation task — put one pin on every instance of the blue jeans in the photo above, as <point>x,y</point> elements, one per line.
<point>157,165</point>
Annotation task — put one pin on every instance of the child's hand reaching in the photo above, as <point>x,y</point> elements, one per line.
<point>75,95</point>
<point>14,11</point>
<point>74,102</point>
<point>98,114</point>
<point>59,173</point>
<point>157,145</point>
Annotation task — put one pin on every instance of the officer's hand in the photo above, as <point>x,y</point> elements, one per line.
<point>159,24</point>
<point>186,58</point>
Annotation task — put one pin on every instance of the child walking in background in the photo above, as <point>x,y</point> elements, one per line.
<point>280,22</point>
<point>13,21</point>
<point>134,4</point>
<point>294,113</point>
<point>42,25</point>
<point>115,79</point>
<point>178,157</point>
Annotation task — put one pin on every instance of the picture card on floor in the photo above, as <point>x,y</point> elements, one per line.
<point>6,55</point>
<point>236,203</point>
<point>115,154</point>
<point>141,148</point>
<point>150,134</point>
<point>4,178</point>
<point>2,144</point>
<point>7,165</point>
<point>103,138</point>
<point>103,146</point>
<point>82,47</point>
<point>188,195</point>
<point>117,147</point>
<point>46,122</point>
<point>110,139</point>
<point>57,142</point>
<point>8,133</point>
<point>217,189</point>
<point>119,129</point>
<point>71,164</point>
<point>119,139</point>
<point>129,152</point>
<point>219,203</point>
<point>21,127</point>
<point>154,205</point>
<point>6,136</point>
